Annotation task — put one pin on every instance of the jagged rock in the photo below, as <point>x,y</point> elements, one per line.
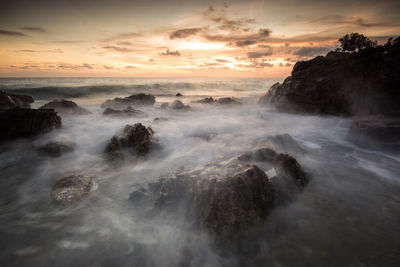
<point>133,100</point>
<point>178,105</point>
<point>231,197</point>
<point>65,107</point>
<point>56,149</point>
<point>362,83</point>
<point>135,139</point>
<point>71,189</point>
<point>127,112</point>
<point>17,122</point>
<point>222,100</point>
<point>9,101</point>
<point>178,94</point>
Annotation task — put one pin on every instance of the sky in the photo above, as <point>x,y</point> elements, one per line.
<point>180,38</point>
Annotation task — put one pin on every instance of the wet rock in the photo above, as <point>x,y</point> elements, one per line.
<point>10,101</point>
<point>135,139</point>
<point>65,107</point>
<point>178,94</point>
<point>71,189</point>
<point>231,198</point>
<point>362,83</point>
<point>133,100</point>
<point>56,149</point>
<point>222,100</point>
<point>178,105</point>
<point>127,112</point>
<point>15,123</point>
<point>160,119</point>
<point>376,131</point>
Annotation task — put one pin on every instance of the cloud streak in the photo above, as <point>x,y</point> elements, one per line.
<point>12,33</point>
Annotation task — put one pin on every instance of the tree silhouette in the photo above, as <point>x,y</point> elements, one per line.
<point>356,42</point>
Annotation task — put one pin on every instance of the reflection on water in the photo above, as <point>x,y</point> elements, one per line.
<point>347,216</point>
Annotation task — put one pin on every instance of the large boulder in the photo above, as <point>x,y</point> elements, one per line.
<point>56,149</point>
<point>15,123</point>
<point>71,189</point>
<point>231,197</point>
<point>9,101</point>
<point>178,105</point>
<point>133,100</point>
<point>362,83</point>
<point>65,107</point>
<point>127,112</point>
<point>135,140</point>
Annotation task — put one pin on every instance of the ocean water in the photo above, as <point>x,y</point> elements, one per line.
<point>348,215</point>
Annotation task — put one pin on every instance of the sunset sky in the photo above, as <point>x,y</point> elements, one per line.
<point>180,38</point>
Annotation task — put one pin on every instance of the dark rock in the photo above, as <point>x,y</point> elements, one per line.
<point>65,107</point>
<point>160,119</point>
<point>135,139</point>
<point>56,149</point>
<point>222,100</point>
<point>133,100</point>
<point>9,101</point>
<point>17,123</point>
<point>231,198</point>
<point>71,189</point>
<point>127,112</point>
<point>178,94</point>
<point>378,132</point>
<point>178,105</point>
<point>362,83</point>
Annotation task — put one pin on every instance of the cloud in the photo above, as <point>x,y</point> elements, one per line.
<point>117,49</point>
<point>184,33</point>
<point>259,54</point>
<point>312,51</point>
<point>244,43</point>
<point>34,29</point>
<point>222,60</point>
<point>122,36</point>
<point>68,41</point>
<point>108,67</point>
<point>170,53</point>
<point>57,50</point>
<point>124,43</point>
<point>12,33</point>
<point>241,39</point>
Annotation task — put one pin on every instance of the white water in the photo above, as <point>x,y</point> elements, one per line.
<point>347,216</point>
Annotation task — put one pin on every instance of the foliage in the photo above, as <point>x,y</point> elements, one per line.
<point>356,42</point>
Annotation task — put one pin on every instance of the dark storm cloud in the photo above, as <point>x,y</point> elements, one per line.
<point>184,33</point>
<point>170,53</point>
<point>34,29</point>
<point>312,51</point>
<point>12,33</point>
<point>117,49</point>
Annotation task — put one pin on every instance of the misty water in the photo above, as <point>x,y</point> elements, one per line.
<point>348,215</point>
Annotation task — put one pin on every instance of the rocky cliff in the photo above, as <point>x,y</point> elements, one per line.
<point>362,83</point>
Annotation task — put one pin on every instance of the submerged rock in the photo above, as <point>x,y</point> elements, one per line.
<point>71,189</point>
<point>160,119</point>
<point>178,105</point>
<point>362,83</point>
<point>15,123</point>
<point>127,112</point>
<point>178,94</point>
<point>56,149</point>
<point>65,107</point>
<point>10,101</point>
<point>133,100</point>
<point>135,139</point>
<point>230,198</point>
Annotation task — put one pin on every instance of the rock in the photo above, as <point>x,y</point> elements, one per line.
<point>178,94</point>
<point>17,123</point>
<point>133,100</point>
<point>65,107</point>
<point>222,100</point>
<point>127,112</point>
<point>362,83</point>
<point>178,105</point>
<point>9,101</point>
<point>164,106</point>
<point>56,149</point>
<point>71,189</point>
<point>230,198</point>
<point>376,132</point>
<point>135,139</point>
<point>160,119</point>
